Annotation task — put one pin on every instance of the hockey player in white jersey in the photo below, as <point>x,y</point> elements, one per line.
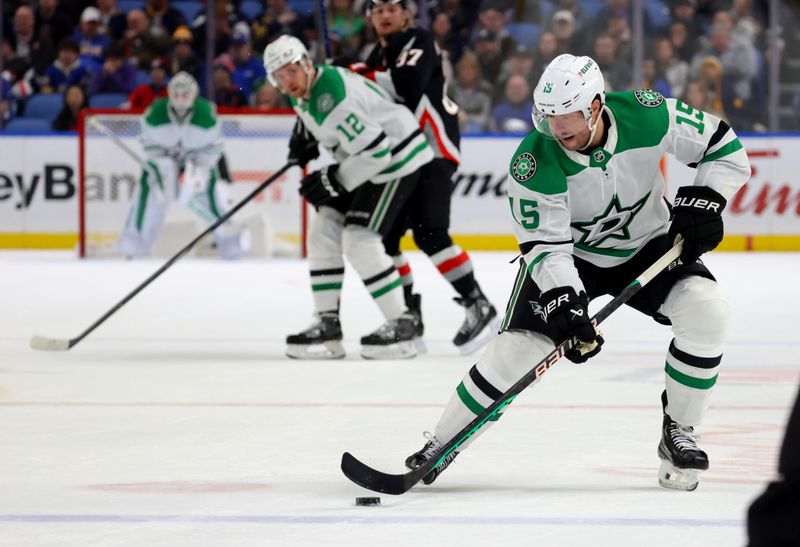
<point>588,209</point>
<point>179,132</point>
<point>379,150</point>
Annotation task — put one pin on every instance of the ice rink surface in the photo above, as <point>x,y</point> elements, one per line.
<point>180,422</point>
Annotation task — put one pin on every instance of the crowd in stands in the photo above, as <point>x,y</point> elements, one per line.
<point>709,53</point>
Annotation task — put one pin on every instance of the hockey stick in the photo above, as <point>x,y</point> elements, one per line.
<point>386,483</point>
<point>57,344</point>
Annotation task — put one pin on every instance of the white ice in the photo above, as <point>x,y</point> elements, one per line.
<point>180,422</point>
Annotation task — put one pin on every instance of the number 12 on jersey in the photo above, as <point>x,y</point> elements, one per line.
<point>354,126</point>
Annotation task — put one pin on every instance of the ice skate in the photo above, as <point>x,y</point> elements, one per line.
<point>414,303</point>
<point>321,340</point>
<point>393,340</point>
<point>681,460</point>
<point>418,459</point>
<point>480,324</point>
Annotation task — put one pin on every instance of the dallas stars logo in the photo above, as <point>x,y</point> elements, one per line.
<point>538,309</point>
<point>612,223</point>
<point>524,167</point>
<point>648,97</point>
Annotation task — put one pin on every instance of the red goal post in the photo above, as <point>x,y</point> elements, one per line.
<point>255,145</point>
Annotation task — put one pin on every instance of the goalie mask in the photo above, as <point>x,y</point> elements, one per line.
<point>182,91</point>
<point>283,51</point>
<point>568,85</point>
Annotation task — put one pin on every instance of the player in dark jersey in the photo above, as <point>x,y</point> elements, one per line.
<point>407,63</point>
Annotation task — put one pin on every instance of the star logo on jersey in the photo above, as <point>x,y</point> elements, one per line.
<point>524,167</point>
<point>612,223</point>
<point>325,103</point>
<point>648,97</point>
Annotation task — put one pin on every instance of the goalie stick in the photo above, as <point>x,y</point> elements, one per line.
<point>43,343</point>
<point>386,483</point>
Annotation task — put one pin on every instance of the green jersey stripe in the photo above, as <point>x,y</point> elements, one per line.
<point>326,287</point>
<point>690,381</point>
<point>400,164</point>
<point>607,252</point>
<point>729,148</point>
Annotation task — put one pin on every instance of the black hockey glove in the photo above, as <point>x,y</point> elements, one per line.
<point>567,314</point>
<point>321,186</point>
<point>303,147</point>
<point>697,216</point>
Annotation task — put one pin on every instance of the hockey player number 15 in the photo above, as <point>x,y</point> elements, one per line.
<point>696,121</point>
<point>354,125</point>
<point>529,216</point>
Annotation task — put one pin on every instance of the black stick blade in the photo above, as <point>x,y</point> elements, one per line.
<point>378,481</point>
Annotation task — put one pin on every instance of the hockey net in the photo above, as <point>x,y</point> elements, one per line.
<point>255,145</point>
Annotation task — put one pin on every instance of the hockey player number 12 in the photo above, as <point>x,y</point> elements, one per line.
<point>697,122</point>
<point>354,125</point>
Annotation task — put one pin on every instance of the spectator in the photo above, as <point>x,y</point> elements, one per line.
<point>144,95</point>
<point>620,30</point>
<point>68,69</point>
<point>346,28</point>
<point>673,70</point>
<point>582,22</point>
<point>52,21</point>
<point>738,60</point>
<point>183,56</point>
<point>564,32</point>
<point>248,68</point>
<point>617,74</point>
<point>462,15</point>
<point>493,19</point>
<point>112,20</point>
<point>90,37</point>
<point>269,98</point>
<point>684,47</point>
<point>546,51</point>
<point>75,100</point>
<point>653,79</point>
<point>514,115</point>
<point>25,45</point>
<point>164,20</point>
<point>21,77</point>
<point>710,79</point>
<point>225,92</point>
<point>276,19</point>
<point>140,44</point>
<point>226,15</point>
<point>448,41</point>
<point>519,62</point>
<point>685,13</point>
<point>472,94</point>
<point>486,47</point>
<point>116,75</point>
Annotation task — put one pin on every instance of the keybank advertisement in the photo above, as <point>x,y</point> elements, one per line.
<point>39,187</point>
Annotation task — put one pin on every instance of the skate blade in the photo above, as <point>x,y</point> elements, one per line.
<point>400,350</point>
<point>675,478</point>
<point>326,350</point>
<point>483,337</point>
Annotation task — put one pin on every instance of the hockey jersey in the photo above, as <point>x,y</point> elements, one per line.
<point>198,139</point>
<point>605,206</point>
<point>372,138</point>
<point>413,76</point>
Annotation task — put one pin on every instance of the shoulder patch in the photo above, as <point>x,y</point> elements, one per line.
<point>524,167</point>
<point>328,91</point>
<point>648,97</point>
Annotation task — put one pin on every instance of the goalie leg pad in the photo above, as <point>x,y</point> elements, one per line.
<point>147,213</point>
<point>508,357</point>
<point>699,313</point>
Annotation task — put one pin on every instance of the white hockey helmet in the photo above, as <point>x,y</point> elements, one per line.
<point>568,84</point>
<point>182,91</point>
<point>284,50</point>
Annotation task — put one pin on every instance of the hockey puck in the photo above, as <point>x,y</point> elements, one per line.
<point>368,502</point>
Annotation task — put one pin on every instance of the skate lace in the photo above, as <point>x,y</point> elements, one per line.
<point>432,447</point>
<point>683,437</point>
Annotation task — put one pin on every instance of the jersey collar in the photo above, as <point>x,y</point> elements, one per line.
<point>610,145</point>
